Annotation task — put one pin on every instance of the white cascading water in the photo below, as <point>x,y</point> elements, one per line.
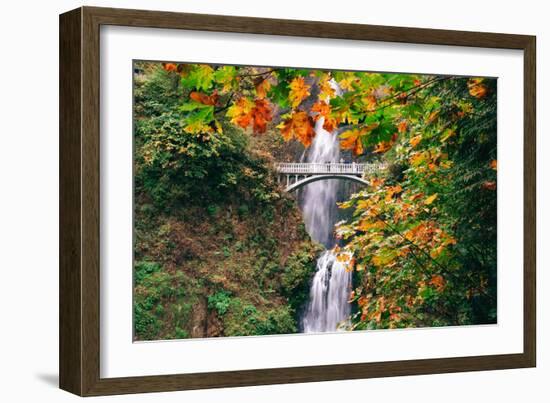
<point>328,306</point>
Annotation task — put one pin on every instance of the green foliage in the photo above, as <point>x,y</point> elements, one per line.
<point>210,239</point>
<point>220,302</point>
<point>298,271</point>
<point>144,269</point>
<point>151,284</point>
<point>244,319</point>
<point>423,236</point>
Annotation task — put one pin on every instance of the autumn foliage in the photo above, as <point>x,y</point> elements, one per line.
<point>421,239</point>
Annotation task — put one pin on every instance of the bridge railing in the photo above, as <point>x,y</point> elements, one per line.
<point>311,168</point>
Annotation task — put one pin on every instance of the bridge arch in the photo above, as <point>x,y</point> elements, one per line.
<point>314,178</point>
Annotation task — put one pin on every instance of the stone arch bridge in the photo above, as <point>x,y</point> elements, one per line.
<point>297,174</point>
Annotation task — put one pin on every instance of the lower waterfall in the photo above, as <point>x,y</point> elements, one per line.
<point>328,306</point>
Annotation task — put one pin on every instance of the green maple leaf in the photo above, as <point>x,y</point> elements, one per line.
<point>201,78</point>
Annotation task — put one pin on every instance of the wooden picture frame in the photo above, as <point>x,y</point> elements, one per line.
<point>79,346</point>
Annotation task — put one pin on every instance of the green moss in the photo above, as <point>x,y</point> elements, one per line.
<point>245,319</point>
<point>219,301</point>
<point>297,274</point>
<point>219,248</point>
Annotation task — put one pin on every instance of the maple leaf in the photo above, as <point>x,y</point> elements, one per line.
<point>346,83</point>
<point>351,140</point>
<point>429,200</point>
<point>299,126</point>
<point>438,282</point>
<point>323,109</point>
<point>227,77</point>
<point>433,116</point>
<point>418,158</point>
<point>239,112</point>
<point>199,121</point>
<point>262,87</point>
<point>204,98</point>
<point>370,103</point>
<point>377,182</point>
<point>493,164</point>
<point>362,301</point>
<point>170,66</point>
<point>261,114</point>
<point>415,140</point>
<point>367,225</point>
<point>385,257</point>
<point>245,112</point>
<point>402,126</point>
<point>476,88</point>
<point>382,147</point>
<point>326,91</point>
<point>200,77</point>
<point>489,185</point>
<point>299,91</point>
<point>382,91</point>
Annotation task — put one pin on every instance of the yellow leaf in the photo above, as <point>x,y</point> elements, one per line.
<point>415,140</point>
<point>447,134</point>
<point>385,257</point>
<point>347,81</point>
<point>239,112</point>
<point>417,159</point>
<point>433,116</point>
<point>430,199</point>
<point>476,88</point>
<point>382,147</point>
<point>299,91</point>
<point>262,88</point>
<point>325,89</point>
<point>351,140</point>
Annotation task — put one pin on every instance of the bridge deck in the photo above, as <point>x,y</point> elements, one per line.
<point>334,168</point>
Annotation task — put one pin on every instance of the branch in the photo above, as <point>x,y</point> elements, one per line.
<point>445,269</point>
<point>403,94</point>
<point>257,74</point>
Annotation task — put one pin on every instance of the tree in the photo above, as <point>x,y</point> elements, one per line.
<point>423,235</point>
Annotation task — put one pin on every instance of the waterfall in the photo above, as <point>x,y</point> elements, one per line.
<point>328,303</point>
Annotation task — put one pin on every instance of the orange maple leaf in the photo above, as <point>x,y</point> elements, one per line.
<point>351,140</point>
<point>261,114</point>
<point>299,126</point>
<point>239,112</point>
<point>438,282</point>
<point>170,66</point>
<point>402,126</point>
<point>245,112</point>
<point>415,140</point>
<point>262,87</point>
<point>382,147</point>
<point>323,110</point>
<point>476,88</point>
<point>489,185</point>
<point>204,98</point>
